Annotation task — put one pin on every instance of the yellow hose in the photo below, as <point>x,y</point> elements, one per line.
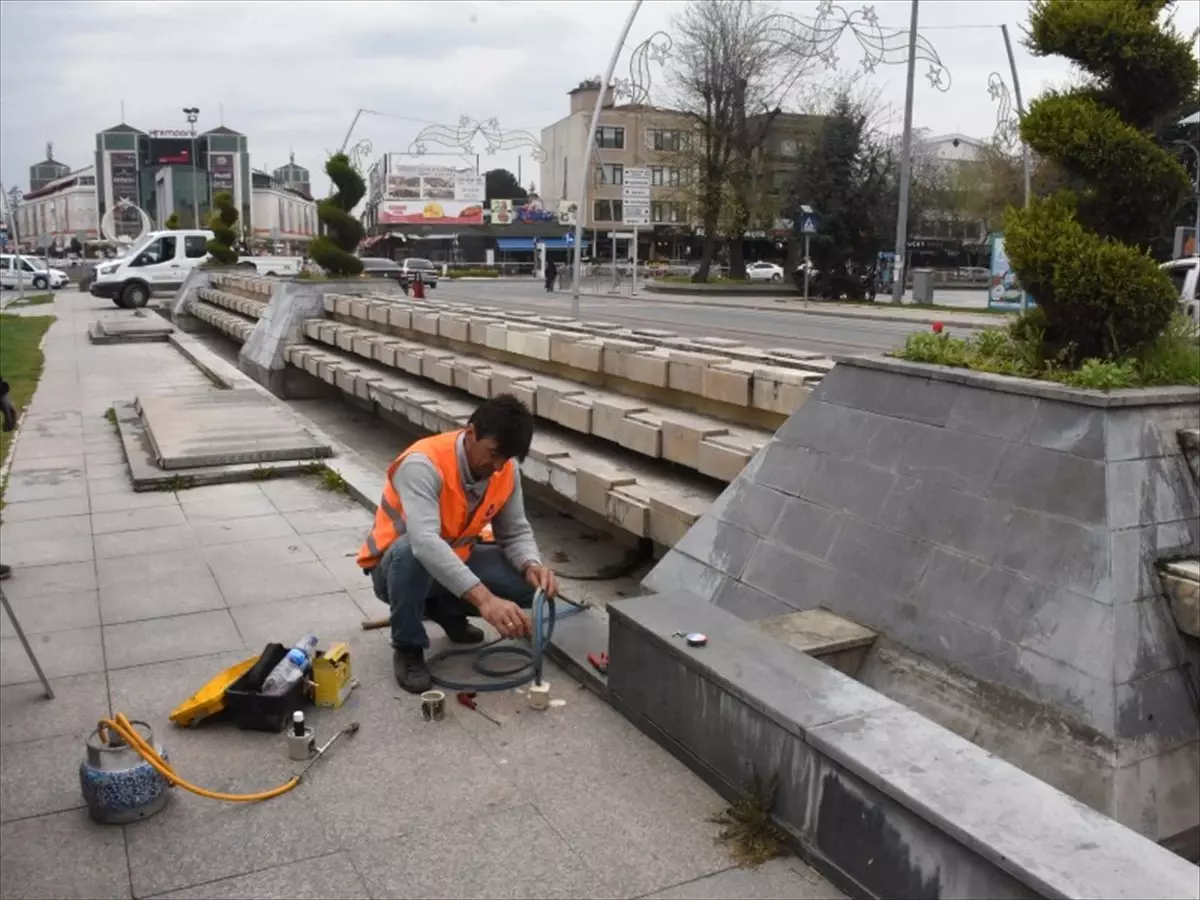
<point>122,726</point>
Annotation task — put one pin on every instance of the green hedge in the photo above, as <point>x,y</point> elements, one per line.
<point>334,250</point>
<point>1084,256</point>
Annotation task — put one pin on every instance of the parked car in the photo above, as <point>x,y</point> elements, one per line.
<point>388,269</point>
<point>764,271</point>
<point>33,273</point>
<point>413,267</point>
<point>1186,275</point>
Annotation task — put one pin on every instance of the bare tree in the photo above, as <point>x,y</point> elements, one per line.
<point>731,74</point>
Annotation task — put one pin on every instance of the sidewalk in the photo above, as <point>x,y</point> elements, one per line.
<point>133,601</point>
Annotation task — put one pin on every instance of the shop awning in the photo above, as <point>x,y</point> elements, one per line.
<point>518,244</point>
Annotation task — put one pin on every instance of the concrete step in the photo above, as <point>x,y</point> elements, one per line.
<point>250,287</point>
<point>833,639</point>
<point>1181,580</point>
<point>643,498</point>
<point>712,376</point>
<point>233,325</point>
<point>701,443</point>
<point>255,308</point>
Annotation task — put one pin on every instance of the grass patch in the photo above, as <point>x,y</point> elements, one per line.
<point>31,300</point>
<point>263,473</point>
<point>747,827</point>
<point>21,362</point>
<point>1173,359</point>
<point>332,481</point>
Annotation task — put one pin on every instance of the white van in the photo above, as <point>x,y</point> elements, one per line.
<point>30,272</point>
<point>272,265</point>
<point>157,263</point>
<point>1186,275</point>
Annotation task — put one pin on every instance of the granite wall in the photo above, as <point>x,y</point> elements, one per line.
<point>1006,528</point>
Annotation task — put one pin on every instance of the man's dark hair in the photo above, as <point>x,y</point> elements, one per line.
<point>506,420</point>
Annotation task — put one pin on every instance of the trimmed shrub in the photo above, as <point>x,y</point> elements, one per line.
<point>334,250</point>
<point>172,223</point>
<point>220,247</point>
<point>1084,256</point>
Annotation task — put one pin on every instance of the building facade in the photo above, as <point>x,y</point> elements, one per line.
<point>48,170</point>
<point>281,216</point>
<point>59,213</point>
<point>294,177</point>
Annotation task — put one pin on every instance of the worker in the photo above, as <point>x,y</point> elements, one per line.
<point>424,552</point>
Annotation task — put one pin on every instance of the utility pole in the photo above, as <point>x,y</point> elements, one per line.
<point>900,264</point>
<point>193,114</point>
<point>12,201</point>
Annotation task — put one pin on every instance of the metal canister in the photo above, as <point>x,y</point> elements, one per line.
<point>119,786</point>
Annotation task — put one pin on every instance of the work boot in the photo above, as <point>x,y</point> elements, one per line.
<point>411,672</point>
<point>459,630</point>
<point>5,571</point>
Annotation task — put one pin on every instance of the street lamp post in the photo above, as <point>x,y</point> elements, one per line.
<point>193,114</point>
<point>13,201</point>
<point>900,263</point>
<point>586,172</point>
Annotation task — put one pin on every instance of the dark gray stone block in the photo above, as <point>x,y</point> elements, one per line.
<point>750,506</point>
<point>952,459</point>
<point>1149,491</point>
<point>1054,483</point>
<point>784,468</point>
<point>748,604</point>
<point>807,528</point>
<point>796,580</point>
<point>930,511</point>
<point>849,433</point>
<point>1067,428</point>
<point>678,572</point>
<point>1007,417</point>
<point>879,556</point>
<point>917,399</point>
<point>846,484</point>
<point>719,545</point>
<point>886,802</point>
<point>1053,552</point>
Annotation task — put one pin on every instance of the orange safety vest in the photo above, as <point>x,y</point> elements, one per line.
<point>459,532</point>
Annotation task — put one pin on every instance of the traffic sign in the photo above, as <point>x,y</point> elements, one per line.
<point>635,196</point>
<point>810,223</point>
<point>569,239</point>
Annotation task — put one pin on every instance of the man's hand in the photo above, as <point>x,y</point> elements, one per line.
<point>506,617</point>
<point>543,579</point>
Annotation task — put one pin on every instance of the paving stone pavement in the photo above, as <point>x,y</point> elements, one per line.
<point>132,601</point>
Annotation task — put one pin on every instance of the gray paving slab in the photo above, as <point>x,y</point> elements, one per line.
<point>778,879</point>
<point>233,531</point>
<point>310,879</point>
<point>137,519</point>
<point>514,853</point>
<point>244,581</point>
<point>41,777</point>
<point>165,539</point>
<point>173,637</point>
<point>333,617</point>
<point>60,653</point>
<point>34,852</point>
<point>52,612</point>
<point>26,714</point>
<point>211,428</point>
<point>156,598</point>
<point>44,509</point>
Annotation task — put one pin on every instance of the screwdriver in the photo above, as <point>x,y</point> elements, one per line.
<point>467,699</point>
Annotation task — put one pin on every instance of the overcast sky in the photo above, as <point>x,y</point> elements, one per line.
<point>290,75</point>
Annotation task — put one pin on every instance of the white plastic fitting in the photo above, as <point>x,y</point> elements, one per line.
<point>539,695</point>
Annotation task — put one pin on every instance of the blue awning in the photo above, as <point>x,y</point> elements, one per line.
<point>509,244</point>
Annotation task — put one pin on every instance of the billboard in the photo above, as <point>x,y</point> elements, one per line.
<point>503,212</point>
<point>221,167</point>
<point>1004,291</point>
<point>430,195</point>
<point>170,152</point>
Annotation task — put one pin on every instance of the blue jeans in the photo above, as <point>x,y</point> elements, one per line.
<point>402,583</point>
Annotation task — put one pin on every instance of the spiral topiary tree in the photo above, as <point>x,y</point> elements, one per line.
<point>1083,255</point>
<point>334,250</point>
<point>220,248</point>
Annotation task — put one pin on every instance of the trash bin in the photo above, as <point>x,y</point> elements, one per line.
<point>922,290</point>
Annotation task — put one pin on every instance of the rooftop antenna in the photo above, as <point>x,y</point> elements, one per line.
<point>221,115</point>
<point>50,151</point>
<point>122,112</point>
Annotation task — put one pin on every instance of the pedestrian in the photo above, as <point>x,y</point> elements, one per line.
<point>551,274</point>
<point>428,552</point>
<point>10,423</point>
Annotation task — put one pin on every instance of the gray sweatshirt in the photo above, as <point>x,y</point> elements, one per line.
<point>419,484</point>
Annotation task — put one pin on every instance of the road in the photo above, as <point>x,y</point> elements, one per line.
<point>757,327</point>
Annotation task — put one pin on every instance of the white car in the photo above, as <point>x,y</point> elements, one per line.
<point>1186,275</point>
<point>33,273</point>
<point>764,271</point>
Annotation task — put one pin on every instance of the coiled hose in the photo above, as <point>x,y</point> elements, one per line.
<point>123,727</point>
<point>504,678</point>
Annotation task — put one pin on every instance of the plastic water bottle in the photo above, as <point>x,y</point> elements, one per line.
<point>291,668</point>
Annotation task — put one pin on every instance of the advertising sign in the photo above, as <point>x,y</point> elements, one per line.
<point>170,152</point>
<point>430,212</point>
<point>124,169</point>
<point>1004,291</point>
<point>635,196</point>
<point>568,212</point>
<point>430,195</point>
<point>502,212</point>
<point>375,182</point>
<point>221,167</point>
